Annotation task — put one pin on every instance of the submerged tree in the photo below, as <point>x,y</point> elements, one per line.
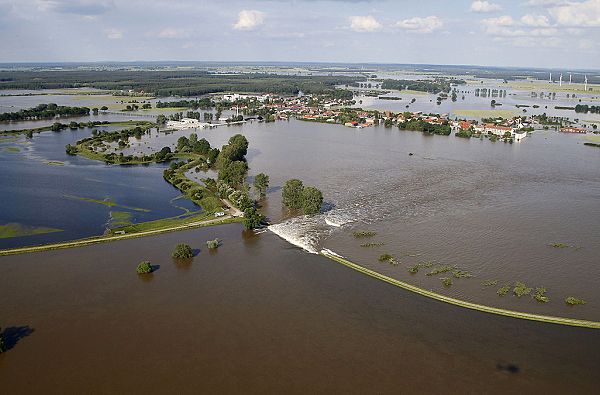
<point>312,199</point>
<point>183,251</point>
<point>292,194</point>
<point>252,218</point>
<point>261,183</point>
<point>144,267</point>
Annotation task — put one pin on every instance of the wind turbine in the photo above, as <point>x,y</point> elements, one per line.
<point>570,75</point>
<point>560,80</point>
<point>550,77</point>
<point>585,86</point>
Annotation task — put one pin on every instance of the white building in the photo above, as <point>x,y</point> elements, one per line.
<point>186,123</point>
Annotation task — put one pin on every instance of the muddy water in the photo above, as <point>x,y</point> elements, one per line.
<point>259,316</point>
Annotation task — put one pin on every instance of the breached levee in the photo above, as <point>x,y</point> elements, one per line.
<point>457,302</point>
<point>297,232</point>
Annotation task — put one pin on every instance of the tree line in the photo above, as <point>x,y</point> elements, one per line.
<point>44,111</point>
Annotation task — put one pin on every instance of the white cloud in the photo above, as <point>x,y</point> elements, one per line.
<point>485,6</point>
<point>364,23</point>
<point>173,32</point>
<point>584,14</point>
<point>249,20</point>
<point>535,20</point>
<point>417,24</point>
<point>114,34</point>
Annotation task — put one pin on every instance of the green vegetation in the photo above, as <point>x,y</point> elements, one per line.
<point>18,230</point>
<point>441,269</point>
<point>584,108</point>
<point>436,86</point>
<point>370,245</point>
<point>521,289</point>
<point>213,244</point>
<point>420,125</point>
<point>461,274</point>
<point>364,234</point>
<point>107,202</point>
<point>120,218</point>
<point>296,196</point>
<point>503,290</point>
<point>446,281</point>
<point>44,111</point>
<point>540,295</point>
<point>559,245</point>
<point>592,145</point>
<point>144,268</point>
<point>490,283</point>
<point>182,251</point>
<point>261,184</point>
<point>388,258</point>
<point>252,218</point>
<point>172,82</point>
<point>572,301</point>
<point>413,269</point>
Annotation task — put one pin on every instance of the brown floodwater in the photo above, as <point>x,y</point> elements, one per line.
<point>259,316</point>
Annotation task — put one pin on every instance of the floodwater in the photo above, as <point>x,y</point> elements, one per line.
<point>259,316</point>
<point>491,209</point>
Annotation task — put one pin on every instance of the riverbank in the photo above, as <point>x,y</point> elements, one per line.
<point>156,228</point>
<point>462,303</point>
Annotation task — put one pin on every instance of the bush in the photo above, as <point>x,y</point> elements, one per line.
<point>572,301</point>
<point>446,281</point>
<point>521,289</point>
<point>212,244</point>
<point>144,267</point>
<point>183,251</point>
<point>540,295</point>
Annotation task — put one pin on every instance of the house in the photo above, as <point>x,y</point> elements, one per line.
<point>498,130</point>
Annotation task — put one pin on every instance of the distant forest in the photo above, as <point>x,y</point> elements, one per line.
<point>172,83</point>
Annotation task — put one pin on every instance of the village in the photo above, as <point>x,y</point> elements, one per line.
<point>341,111</point>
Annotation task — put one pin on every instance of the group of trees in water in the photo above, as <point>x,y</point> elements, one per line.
<point>426,127</point>
<point>584,108</point>
<point>298,197</point>
<point>44,111</point>
<point>435,86</point>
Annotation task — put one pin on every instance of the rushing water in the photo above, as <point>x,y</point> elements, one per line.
<point>259,316</point>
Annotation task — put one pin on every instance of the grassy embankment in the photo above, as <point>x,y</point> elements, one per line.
<point>463,303</point>
<point>18,230</point>
<point>150,228</point>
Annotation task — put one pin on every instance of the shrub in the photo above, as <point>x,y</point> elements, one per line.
<point>144,267</point>
<point>212,244</point>
<point>489,283</point>
<point>385,257</point>
<point>441,269</point>
<point>183,251</point>
<point>572,301</point>
<point>521,289</point>
<point>446,281</point>
<point>540,295</point>
<point>413,269</point>
<point>503,290</point>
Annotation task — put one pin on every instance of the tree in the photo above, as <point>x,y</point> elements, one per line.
<point>71,149</point>
<point>161,119</point>
<point>144,267</point>
<point>104,108</point>
<point>233,172</point>
<point>252,218</point>
<point>292,193</point>
<point>95,111</point>
<point>182,251</point>
<point>213,244</point>
<point>312,199</point>
<point>261,183</point>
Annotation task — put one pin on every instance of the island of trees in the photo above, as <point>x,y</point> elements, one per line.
<point>44,111</point>
<point>298,197</point>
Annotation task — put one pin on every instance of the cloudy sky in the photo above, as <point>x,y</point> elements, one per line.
<point>538,33</point>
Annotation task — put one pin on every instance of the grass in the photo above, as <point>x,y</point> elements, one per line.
<point>55,163</point>
<point>544,86</point>
<point>521,289</point>
<point>560,245</point>
<point>461,274</point>
<point>540,295</point>
<point>489,283</point>
<point>363,234</point>
<point>18,230</point>
<point>370,245</point>
<point>108,203</point>
<point>120,218</point>
<point>441,269</point>
<point>163,223</point>
<point>11,149</point>
<point>572,301</point>
<point>446,281</point>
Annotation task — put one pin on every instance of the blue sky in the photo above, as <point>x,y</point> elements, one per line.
<point>537,33</point>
